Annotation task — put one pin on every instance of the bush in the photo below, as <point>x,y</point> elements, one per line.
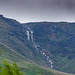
<point>8,69</point>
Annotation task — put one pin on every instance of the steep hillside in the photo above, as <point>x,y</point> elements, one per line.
<point>28,66</point>
<point>56,42</point>
<point>14,36</point>
<point>48,44</point>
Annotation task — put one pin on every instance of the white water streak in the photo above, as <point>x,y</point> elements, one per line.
<point>31,36</point>
<point>28,35</point>
<point>51,63</point>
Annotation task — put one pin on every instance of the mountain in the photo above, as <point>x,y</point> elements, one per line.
<point>57,40</point>
<point>14,36</point>
<point>11,53</point>
<point>47,44</point>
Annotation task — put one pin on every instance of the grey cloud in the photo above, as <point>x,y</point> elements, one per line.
<point>66,4</point>
<point>40,4</point>
<point>70,4</point>
<point>39,9</point>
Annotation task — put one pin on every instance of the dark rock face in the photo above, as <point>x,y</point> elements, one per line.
<point>1,15</point>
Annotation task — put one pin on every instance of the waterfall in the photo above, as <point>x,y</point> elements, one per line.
<point>51,63</point>
<point>45,53</point>
<point>31,36</point>
<point>28,35</point>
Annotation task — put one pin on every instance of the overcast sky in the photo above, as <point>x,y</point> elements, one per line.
<point>38,10</point>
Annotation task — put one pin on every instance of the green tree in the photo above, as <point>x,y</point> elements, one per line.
<point>8,69</point>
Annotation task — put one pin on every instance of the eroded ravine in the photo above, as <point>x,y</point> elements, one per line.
<point>45,53</point>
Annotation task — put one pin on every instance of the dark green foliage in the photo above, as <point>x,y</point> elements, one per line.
<point>8,69</point>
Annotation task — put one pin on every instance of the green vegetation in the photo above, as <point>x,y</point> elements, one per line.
<point>26,65</point>
<point>34,69</point>
<point>8,69</point>
<point>13,35</point>
<point>57,37</point>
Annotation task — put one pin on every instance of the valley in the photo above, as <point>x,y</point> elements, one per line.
<point>39,47</point>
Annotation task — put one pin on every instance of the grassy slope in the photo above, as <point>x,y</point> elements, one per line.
<point>27,66</point>
<point>10,54</point>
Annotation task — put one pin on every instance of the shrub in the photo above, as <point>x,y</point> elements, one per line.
<point>8,69</point>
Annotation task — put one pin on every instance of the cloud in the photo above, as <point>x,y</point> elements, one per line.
<point>66,4</point>
<point>39,9</point>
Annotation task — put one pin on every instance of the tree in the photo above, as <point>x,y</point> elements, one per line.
<point>8,69</point>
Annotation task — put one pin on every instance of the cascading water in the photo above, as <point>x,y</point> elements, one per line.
<point>47,54</point>
<point>50,61</point>
<point>28,35</point>
<point>31,36</point>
